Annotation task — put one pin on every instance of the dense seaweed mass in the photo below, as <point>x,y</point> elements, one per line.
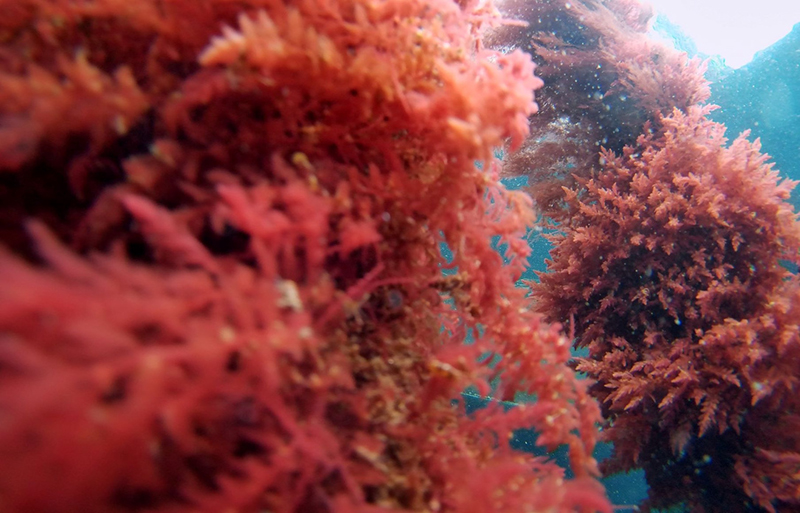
<point>223,289</point>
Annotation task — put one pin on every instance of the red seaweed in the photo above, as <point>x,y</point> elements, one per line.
<point>672,266</point>
<point>222,280</point>
<point>606,81</point>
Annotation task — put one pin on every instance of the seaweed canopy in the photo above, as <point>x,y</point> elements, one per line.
<point>605,79</point>
<point>234,298</point>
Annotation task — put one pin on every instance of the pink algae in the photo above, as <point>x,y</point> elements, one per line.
<point>222,284</point>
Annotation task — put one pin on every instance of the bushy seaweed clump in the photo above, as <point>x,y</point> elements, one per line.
<point>234,297</point>
<point>670,266</point>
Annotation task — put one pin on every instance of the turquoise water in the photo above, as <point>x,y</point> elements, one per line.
<point>762,96</point>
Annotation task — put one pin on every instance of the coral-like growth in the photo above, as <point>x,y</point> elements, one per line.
<point>669,265</point>
<point>604,80</point>
<point>235,299</point>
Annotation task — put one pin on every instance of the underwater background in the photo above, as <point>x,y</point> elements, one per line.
<point>253,252</point>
